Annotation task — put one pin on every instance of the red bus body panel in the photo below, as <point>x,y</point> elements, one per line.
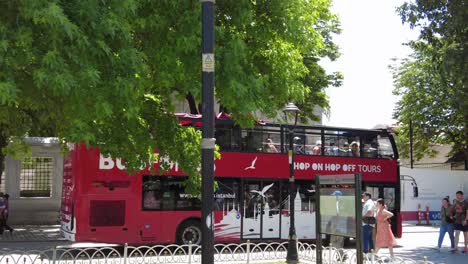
<point>91,177</point>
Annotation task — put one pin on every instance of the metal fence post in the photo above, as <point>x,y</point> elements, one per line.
<point>248,251</point>
<point>190,252</point>
<point>372,256</point>
<point>54,254</point>
<point>125,253</point>
<point>330,254</point>
<point>425,259</point>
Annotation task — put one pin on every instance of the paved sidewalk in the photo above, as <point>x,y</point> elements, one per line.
<point>30,233</point>
<point>417,243</point>
<point>39,237</point>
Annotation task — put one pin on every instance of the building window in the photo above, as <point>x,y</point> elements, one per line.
<point>36,177</point>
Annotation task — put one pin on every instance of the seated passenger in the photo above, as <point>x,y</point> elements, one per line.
<point>354,149</point>
<point>369,151</point>
<point>270,146</point>
<point>317,150</point>
<point>332,150</point>
<point>344,151</point>
<point>298,147</point>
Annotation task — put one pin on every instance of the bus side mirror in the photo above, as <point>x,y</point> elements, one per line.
<point>415,191</point>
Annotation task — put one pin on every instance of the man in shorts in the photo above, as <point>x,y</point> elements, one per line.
<point>461,220</point>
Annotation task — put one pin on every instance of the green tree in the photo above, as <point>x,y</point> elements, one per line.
<point>432,83</point>
<point>110,72</point>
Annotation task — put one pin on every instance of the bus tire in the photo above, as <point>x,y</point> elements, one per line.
<point>189,230</point>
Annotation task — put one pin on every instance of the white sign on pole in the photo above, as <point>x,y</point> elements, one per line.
<point>208,62</point>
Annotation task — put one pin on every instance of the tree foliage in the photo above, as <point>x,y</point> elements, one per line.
<point>432,82</point>
<point>110,72</point>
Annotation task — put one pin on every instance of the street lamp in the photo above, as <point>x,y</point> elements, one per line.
<point>292,257</point>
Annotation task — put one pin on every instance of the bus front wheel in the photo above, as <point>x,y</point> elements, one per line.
<point>189,231</point>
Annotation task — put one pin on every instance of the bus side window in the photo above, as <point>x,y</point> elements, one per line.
<point>370,146</point>
<point>228,137</point>
<point>152,195</point>
<point>307,194</point>
<point>236,138</point>
<point>167,193</point>
<point>223,135</point>
<point>252,140</point>
<point>168,201</point>
<point>271,143</point>
<point>385,149</point>
<point>227,194</point>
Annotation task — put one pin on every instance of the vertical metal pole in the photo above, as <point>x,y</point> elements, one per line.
<point>292,256</point>
<point>208,141</point>
<point>358,206</point>
<point>411,142</point>
<point>54,255</point>
<point>318,221</point>
<point>125,253</point>
<point>248,251</point>
<point>190,252</point>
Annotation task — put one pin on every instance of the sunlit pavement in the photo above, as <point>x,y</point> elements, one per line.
<point>421,241</point>
<point>38,238</point>
<point>417,242</point>
<point>43,233</point>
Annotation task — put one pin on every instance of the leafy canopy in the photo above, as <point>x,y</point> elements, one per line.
<point>110,73</point>
<point>433,80</point>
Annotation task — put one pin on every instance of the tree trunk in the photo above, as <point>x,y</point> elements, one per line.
<point>192,104</point>
<point>223,109</point>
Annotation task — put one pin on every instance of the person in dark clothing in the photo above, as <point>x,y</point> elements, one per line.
<point>4,216</point>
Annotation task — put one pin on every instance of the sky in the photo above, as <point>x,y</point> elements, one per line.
<point>372,34</point>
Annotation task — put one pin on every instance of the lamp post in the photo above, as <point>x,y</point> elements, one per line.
<point>208,140</point>
<point>292,256</point>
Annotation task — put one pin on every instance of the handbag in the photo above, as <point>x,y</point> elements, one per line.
<point>448,219</point>
<point>369,220</point>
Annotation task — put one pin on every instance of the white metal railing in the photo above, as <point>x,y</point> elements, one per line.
<point>190,254</point>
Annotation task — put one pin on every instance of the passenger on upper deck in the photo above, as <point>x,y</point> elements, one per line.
<point>344,149</point>
<point>317,150</point>
<point>354,149</point>
<point>298,146</point>
<point>332,150</point>
<point>270,146</point>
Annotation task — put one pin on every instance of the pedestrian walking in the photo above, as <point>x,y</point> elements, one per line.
<point>446,223</point>
<point>4,214</point>
<point>384,236</point>
<point>367,223</point>
<point>461,220</point>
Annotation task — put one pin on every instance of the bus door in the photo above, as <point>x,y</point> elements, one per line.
<point>388,193</point>
<point>261,212</point>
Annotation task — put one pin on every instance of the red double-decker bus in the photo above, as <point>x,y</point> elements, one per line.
<point>101,202</point>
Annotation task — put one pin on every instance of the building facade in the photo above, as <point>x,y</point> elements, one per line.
<point>34,183</point>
